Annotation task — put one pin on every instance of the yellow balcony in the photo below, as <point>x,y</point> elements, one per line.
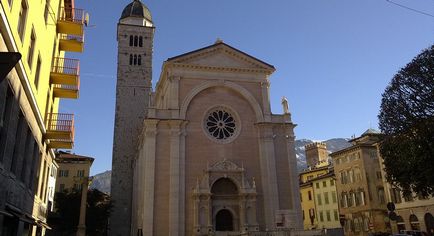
<point>60,131</point>
<point>66,91</point>
<point>65,71</point>
<point>71,21</point>
<point>71,43</point>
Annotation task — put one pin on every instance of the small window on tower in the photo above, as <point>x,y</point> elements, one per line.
<point>139,60</point>
<point>135,59</point>
<point>131,59</point>
<point>131,40</point>
<point>136,39</point>
<point>140,41</point>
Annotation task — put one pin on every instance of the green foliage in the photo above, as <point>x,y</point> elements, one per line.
<point>67,204</point>
<point>407,120</point>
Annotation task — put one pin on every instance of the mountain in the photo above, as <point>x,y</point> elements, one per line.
<point>102,181</point>
<point>333,145</point>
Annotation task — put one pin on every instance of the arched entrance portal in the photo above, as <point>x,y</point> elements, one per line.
<point>225,195</point>
<point>429,222</point>
<point>224,201</point>
<point>224,221</point>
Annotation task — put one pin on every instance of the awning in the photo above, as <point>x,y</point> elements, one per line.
<point>43,224</point>
<point>6,213</point>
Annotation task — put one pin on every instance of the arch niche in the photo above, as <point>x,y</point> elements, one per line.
<point>429,222</point>
<point>221,199</point>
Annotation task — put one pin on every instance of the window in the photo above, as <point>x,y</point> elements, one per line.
<point>31,49</point>
<point>37,72</point>
<point>336,215</point>
<point>80,173</point>
<point>357,174</point>
<point>61,187</point>
<point>321,216</point>
<point>78,187</point>
<point>22,17</point>
<point>317,185</point>
<point>47,10</point>
<point>5,113</point>
<point>135,60</point>
<point>18,143</point>
<point>318,196</point>
<point>131,40</point>
<point>378,175</point>
<point>136,39</point>
<point>63,173</point>
<point>328,216</point>
<point>334,197</point>
<point>131,58</point>
<point>381,195</point>
<point>395,195</point>
<point>351,199</point>
<point>332,182</point>
<point>324,183</point>
<point>326,198</point>
<point>309,195</point>
<point>140,41</point>
<point>303,214</point>
<point>139,60</point>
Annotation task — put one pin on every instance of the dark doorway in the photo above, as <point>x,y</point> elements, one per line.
<point>429,222</point>
<point>224,221</point>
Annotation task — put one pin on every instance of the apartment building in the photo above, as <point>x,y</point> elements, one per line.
<point>31,127</point>
<point>359,185</point>
<point>318,190</point>
<point>74,171</point>
<point>413,212</point>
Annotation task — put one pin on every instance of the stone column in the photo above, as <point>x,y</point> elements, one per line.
<point>81,229</point>
<point>174,198</point>
<point>149,176</point>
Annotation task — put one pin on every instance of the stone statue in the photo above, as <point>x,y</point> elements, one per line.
<point>285,105</point>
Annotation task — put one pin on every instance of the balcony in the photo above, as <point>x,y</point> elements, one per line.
<point>66,91</point>
<point>65,71</point>
<point>71,21</point>
<point>60,130</point>
<point>71,43</point>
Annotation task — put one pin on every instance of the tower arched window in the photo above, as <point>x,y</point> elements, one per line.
<point>140,41</point>
<point>131,59</point>
<point>131,40</point>
<point>135,59</point>
<point>136,39</point>
<point>139,60</point>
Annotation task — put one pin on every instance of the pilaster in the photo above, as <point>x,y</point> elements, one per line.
<point>268,172</point>
<point>174,198</point>
<point>149,175</point>
<point>294,185</point>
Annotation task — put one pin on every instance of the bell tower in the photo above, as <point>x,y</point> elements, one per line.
<point>135,35</point>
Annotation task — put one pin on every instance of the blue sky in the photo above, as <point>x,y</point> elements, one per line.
<point>334,58</point>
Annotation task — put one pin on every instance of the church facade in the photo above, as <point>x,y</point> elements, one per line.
<point>202,154</point>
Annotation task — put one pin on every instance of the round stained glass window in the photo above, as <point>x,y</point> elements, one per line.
<point>221,124</point>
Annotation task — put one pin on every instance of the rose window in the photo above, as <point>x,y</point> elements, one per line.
<point>220,124</point>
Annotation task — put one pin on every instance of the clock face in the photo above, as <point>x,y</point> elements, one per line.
<point>221,124</point>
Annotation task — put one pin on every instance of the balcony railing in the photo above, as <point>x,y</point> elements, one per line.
<point>72,15</point>
<point>71,42</point>
<point>60,130</point>
<point>66,66</point>
<point>66,90</point>
<point>71,21</point>
<point>65,71</point>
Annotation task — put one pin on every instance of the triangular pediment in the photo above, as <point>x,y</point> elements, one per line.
<point>221,55</point>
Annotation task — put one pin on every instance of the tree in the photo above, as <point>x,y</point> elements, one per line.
<point>407,120</point>
<point>64,220</point>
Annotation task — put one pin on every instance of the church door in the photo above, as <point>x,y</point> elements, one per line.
<point>224,221</point>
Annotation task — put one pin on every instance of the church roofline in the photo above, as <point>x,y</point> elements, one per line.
<point>218,43</point>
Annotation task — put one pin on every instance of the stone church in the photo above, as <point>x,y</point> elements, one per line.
<point>201,154</point>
